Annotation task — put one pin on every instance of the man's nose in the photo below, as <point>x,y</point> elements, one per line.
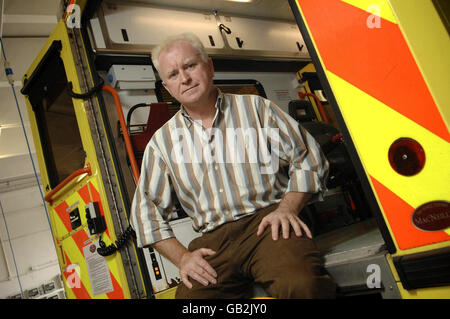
<point>185,77</point>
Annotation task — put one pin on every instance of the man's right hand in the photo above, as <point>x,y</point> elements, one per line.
<point>193,265</point>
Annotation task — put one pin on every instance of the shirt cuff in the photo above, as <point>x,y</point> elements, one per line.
<point>305,181</point>
<point>153,234</point>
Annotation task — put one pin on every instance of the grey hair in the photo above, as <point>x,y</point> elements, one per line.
<point>169,41</point>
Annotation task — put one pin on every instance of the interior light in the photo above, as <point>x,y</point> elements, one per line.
<point>406,156</point>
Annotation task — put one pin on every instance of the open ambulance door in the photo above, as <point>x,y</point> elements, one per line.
<point>83,195</point>
<point>384,70</point>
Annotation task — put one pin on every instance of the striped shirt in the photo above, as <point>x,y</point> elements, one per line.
<point>252,155</point>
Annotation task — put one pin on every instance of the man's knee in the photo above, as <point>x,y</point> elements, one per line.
<point>303,285</point>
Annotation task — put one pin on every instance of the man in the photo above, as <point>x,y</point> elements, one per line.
<point>213,155</point>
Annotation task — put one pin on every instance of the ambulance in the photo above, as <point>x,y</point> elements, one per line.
<point>367,78</point>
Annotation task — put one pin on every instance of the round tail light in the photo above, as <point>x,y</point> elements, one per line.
<point>406,156</point>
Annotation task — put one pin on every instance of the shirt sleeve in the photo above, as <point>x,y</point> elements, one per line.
<point>152,203</point>
<point>308,167</point>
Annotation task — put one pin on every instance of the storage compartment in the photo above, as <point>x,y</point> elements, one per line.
<point>264,35</point>
<point>124,27</point>
<point>147,25</point>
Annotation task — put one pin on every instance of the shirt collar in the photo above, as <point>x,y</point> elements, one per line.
<point>219,105</point>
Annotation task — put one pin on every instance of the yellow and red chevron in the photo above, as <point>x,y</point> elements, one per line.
<point>71,244</point>
<point>383,96</point>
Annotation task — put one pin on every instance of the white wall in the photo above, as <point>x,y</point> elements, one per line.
<point>279,87</point>
<point>23,210</point>
<point>31,241</point>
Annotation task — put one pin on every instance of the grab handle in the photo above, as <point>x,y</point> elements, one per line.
<point>49,197</point>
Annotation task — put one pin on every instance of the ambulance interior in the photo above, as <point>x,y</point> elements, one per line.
<point>256,48</point>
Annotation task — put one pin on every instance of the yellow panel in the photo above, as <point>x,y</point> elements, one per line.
<point>62,260</point>
<point>380,8</point>
<point>115,263</point>
<point>374,127</point>
<point>166,294</point>
<point>424,293</point>
<point>76,257</point>
<point>381,129</point>
<point>429,43</point>
<point>71,249</point>
<point>308,68</point>
<point>69,292</point>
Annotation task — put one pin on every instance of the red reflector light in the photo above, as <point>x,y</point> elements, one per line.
<point>406,156</point>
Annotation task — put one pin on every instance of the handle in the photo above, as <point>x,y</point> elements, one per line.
<point>223,27</point>
<point>126,136</point>
<point>49,197</point>
<point>88,94</point>
<point>319,104</point>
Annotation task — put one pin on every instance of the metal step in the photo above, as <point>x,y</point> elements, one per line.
<point>355,257</point>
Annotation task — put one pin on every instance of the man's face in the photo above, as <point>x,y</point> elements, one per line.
<point>185,75</point>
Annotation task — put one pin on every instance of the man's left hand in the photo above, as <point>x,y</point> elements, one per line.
<point>283,216</point>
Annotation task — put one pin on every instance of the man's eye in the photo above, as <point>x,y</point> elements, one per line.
<point>191,65</point>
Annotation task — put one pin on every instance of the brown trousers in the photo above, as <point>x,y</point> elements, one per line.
<point>286,268</point>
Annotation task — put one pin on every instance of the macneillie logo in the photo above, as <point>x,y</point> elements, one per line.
<point>432,216</point>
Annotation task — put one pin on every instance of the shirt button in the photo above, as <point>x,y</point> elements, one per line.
<point>216,167</point>
<point>221,190</point>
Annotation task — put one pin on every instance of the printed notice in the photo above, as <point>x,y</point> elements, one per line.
<point>282,95</point>
<point>99,275</point>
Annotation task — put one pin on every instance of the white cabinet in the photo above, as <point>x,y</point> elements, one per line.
<point>264,35</point>
<point>137,28</point>
<point>144,25</point>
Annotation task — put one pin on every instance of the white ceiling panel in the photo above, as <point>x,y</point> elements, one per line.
<point>278,9</point>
